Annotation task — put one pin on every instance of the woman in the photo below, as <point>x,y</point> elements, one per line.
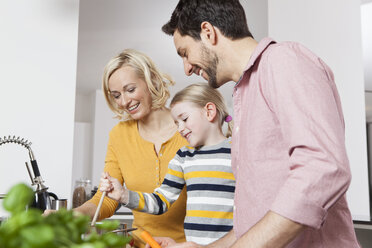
<point>141,146</point>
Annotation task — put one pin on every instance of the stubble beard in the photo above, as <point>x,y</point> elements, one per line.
<point>211,61</point>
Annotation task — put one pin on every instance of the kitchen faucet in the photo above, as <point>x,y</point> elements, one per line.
<point>43,201</point>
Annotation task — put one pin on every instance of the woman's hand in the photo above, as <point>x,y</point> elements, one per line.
<point>113,187</point>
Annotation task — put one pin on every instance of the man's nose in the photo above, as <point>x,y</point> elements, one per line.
<point>187,67</point>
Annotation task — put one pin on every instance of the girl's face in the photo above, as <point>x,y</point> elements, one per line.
<point>192,122</point>
<point>130,92</point>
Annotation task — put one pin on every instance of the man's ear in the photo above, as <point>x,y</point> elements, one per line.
<point>208,33</point>
<point>211,111</point>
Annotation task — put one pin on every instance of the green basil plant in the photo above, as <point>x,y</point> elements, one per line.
<point>29,229</point>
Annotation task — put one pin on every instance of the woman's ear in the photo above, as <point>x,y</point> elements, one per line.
<point>211,111</point>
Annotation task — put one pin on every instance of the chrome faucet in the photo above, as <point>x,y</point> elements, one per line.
<point>43,201</point>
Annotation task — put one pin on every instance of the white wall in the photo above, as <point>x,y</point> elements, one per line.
<point>82,160</point>
<point>366,16</point>
<point>38,55</point>
<point>332,30</point>
<point>84,107</point>
<point>256,12</point>
<point>104,121</point>
<point>83,137</point>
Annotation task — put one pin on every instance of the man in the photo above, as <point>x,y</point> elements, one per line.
<point>288,150</point>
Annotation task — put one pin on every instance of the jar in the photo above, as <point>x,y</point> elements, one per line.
<point>82,191</point>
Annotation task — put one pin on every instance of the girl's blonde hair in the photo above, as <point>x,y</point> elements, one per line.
<point>145,68</point>
<point>200,94</point>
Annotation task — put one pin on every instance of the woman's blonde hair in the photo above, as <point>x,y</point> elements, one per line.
<point>145,68</point>
<point>200,94</point>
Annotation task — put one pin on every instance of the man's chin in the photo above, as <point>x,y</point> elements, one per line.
<point>214,84</point>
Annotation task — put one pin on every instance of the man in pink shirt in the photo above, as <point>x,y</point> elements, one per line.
<point>288,149</point>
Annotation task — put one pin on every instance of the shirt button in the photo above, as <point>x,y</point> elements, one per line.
<point>161,154</point>
<point>237,129</point>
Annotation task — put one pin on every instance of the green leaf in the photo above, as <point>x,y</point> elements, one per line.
<point>18,197</point>
<point>61,229</point>
<point>92,237</point>
<point>37,236</point>
<point>114,240</point>
<point>108,225</point>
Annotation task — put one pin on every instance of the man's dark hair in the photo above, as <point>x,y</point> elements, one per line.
<point>227,15</point>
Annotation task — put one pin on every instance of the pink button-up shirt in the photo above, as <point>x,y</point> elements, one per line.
<point>288,149</point>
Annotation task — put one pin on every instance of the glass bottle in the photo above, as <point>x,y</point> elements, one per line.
<point>82,192</point>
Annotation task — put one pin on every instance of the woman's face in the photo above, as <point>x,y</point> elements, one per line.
<point>130,92</point>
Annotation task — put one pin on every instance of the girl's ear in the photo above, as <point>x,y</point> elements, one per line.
<point>211,111</point>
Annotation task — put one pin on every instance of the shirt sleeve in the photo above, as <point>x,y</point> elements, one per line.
<point>163,197</point>
<point>112,167</point>
<point>302,94</point>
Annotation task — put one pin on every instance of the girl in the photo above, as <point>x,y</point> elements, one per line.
<point>204,167</point>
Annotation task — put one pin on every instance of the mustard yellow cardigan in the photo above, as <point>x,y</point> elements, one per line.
<point>133,160</point>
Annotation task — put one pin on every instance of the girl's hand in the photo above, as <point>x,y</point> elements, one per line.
<point>113,187</point>
<point>164,242</point>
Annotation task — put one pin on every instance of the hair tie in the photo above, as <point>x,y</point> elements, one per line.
<point>228,118</point>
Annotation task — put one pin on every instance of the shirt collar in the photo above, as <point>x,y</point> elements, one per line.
<point>260,48</point>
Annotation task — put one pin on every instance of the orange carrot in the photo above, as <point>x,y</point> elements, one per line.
<point>150,240</point>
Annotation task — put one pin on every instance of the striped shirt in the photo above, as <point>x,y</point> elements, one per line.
<point>210,185</point>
